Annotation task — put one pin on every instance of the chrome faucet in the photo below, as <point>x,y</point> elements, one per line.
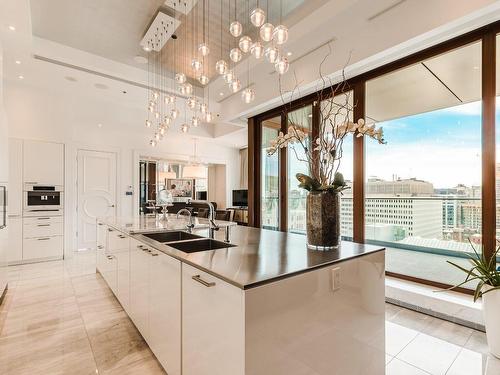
<point>189,226</point>
<point>212,226</point>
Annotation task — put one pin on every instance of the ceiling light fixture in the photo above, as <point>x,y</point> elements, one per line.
<point>258,17</point>
<point>20,76</point>
<point>18,62</point>
<point>12,28</point>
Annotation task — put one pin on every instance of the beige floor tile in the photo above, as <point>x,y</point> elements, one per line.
<point>397,338</point>
<point>470,362</point>
<point>149,366</point>
<point>398,367</point>
<point>430,354</point>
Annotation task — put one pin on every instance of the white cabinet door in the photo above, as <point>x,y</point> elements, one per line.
<point>42,248</point>
<point>43,162</point>
<point>213,325</point>
<point>15,177</point>
<point>102,236</point>
<point>119,249</point>
<point>139,287</point>
<point>15,247</point>
<point>165,311</point>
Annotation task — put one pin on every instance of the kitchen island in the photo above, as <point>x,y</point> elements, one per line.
<point>263,304</point>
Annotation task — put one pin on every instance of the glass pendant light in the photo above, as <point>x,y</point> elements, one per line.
<point>167,120</point>
<point>191,103</point>
<point>203,49</point>
<point>196,64</point>
<point>156,95</point>
<point>182,89</point>
<point>235,54</point>
<point>235,85</point>
<point>195,121</point>
<point>157,136</point>
<point>203,79</point>
<point>248,95</point>
<point>208,117</point>
<point>148,124</point>
<point>189,88</point>
<point>151,109</point>
<point>184,128</point>
<point>280,34</point>
<point>152,103</point>
<point>245,44</point>
<point>203,108</point>
<point>180,78</point>
<point>174,113</point>
<point>282,65</point>
<point>221,67</point>
<point>257,17</point>
<point>235,28</point>
<point>152,143</point>
<point>229,76</point>
<point>257,50</point>
<point>266,32</point>
<point>272,54</point>
<point>162,130</point>
<point>157,115</point>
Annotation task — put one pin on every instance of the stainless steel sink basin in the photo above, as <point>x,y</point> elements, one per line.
<point>199,245</point>
<point>171,236</point>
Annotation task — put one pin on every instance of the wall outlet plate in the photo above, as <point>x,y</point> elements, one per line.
<point>335,278</point>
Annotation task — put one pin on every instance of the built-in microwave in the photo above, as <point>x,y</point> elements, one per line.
<point>43,197</point>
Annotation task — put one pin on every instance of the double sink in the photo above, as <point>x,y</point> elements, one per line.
<point>187,242</point>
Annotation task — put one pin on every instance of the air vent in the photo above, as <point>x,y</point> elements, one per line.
<point>162,22</point>
<point>182,6</point>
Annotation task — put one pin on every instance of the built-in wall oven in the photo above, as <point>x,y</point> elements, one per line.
<point>43,199</point>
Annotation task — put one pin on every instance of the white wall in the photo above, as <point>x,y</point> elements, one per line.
<point>217,192</point>
<point>44,113</point>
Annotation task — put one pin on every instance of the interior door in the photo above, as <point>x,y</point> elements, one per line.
<point>96,182</point>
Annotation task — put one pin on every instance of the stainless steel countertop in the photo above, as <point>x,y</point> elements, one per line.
<point>260,256</point>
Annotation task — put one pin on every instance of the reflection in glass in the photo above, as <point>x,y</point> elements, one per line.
<point>269,176</point>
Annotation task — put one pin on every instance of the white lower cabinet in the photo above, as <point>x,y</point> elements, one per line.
<point>165,311</point>
<point>15,248</point>
<point>118,248</point>
<point>139,287</point>
<point>213,325</point>
<point>42,247</point>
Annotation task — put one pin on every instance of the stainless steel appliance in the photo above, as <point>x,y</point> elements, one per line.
<point>43,199</point>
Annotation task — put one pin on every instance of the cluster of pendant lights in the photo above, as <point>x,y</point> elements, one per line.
<point>268,33</point>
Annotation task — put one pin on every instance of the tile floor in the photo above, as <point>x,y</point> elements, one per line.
<point>61,318</point>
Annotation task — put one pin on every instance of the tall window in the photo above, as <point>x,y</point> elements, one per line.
<point>296,160</point>
<point>423,189</point>
<point>270,176</point>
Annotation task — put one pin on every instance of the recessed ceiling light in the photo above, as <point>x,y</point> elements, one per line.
<point>140,59</point>
<point>475,67</point>
<point>18,62</point>
<point>221,93</point>
<point>310,115</point>
<point>12,28</point>
<point>289,54</point>
<point>99,125</point>
<point>20,76</point>
<point>101,86</point>
<point>146,48</point>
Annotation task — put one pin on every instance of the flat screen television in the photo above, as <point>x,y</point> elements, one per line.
<point>240,198</point>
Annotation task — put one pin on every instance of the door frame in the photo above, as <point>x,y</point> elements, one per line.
<point>71,192</point>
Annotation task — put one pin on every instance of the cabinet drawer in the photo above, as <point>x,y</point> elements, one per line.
<point>117,240</point>
<point>45,228</point>
<point>43,247</point>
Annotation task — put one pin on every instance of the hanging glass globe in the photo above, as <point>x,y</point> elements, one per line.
<point>203,79</point>
<point>148,124</point>
<point>189,88</point>
<point>152,143</point>
<point>272,54</point>
<point>248,95</point>
<point>157,115</point>
<point>203,108</point>
<point>167,120</point>
<point>245,43</point>
<point>157,136</point>
<point>229,76</point>
<point>235,29</point>
<point>195,121</point>
<point>266,32</point>
<point>235,85</point>
<point>257,50</point>
<point>182,89</point>
<point>196,64</point>
<point>280,34</point>
<point>191,103</point>
<point>221,67</point>
<point>184,128</point>
<point>203,49</point>
<point>167,99</point>
<point>151,109</point>
<point>235,54</point>
<point>180,78</point>
<point>162,130</point>
<point>156,95</point>
<point>208,117</point>
<point>152,103</point>
<point>282,65</point>
<point>257,17</point>
<point>174,113</point>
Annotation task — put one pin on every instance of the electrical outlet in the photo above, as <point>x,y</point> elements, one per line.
<point>336,279</point>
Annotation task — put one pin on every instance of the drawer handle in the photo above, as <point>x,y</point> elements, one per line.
<point>146,250</point>
<point>154,254</point>
<point>43,218</point>
<point>43,239</point>
<point>100,224</point>
<point>110,257</point>
<point>99,247</point>
<point>203,282</point>
<point>43,225</point>
<point>139,246</point>
<point>122,236</point>
<point>110,230</point>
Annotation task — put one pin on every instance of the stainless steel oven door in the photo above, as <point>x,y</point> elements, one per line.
<point>39,200</point>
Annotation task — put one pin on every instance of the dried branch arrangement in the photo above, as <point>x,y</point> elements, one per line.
<point>324,153</point>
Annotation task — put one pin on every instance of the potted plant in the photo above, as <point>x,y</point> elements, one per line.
<point>323,155</point>
<point>485,272</point>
